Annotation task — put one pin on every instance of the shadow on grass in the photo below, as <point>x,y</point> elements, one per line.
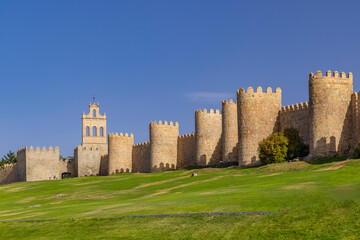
<point>327,160</point>
<point>219,165</point>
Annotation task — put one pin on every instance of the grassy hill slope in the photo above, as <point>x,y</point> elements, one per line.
<point>310,199</point>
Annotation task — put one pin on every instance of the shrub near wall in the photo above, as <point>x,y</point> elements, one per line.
<point>273,149</point>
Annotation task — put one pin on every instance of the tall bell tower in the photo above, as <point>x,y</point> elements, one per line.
<point>94,126</point>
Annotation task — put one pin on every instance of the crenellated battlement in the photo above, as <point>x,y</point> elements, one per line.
<point>165,123</point>
<point>121,135</point>
<point>230,102</point>
<point>143,144</point>
<point>37,149</point>
<point>205,111</point>
<point>329,74</point>
<point>259,90</point>
<point>8,166</point>
<point>295,107</point>
<point>88,148</point>
<point>187,135</point>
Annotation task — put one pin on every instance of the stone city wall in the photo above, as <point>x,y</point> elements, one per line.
<point>120,152</point>
<point>208,130</point>
<point>230,137</point>
<point>36,164</point>
<point>296,116</point>
<point>330,113</point>
<point>87,160</point>
<point>163,141</point>
<point>355,108</point>
<point>186,150</point>
<point>141,157</point>
<point>67,165</point>
<point>8,174</point>
<point>257,116</point>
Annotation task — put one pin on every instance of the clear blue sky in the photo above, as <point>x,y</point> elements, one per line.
<point>158,60</point>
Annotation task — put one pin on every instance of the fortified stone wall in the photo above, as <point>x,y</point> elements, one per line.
<point>104,165</point>
<point>87,160</point>
<point>208,130</point>
<point>330,113</point>
<point>21,164</point>
<point>355,103</point>
<point>296,116</point>
<point>8,174</point>
<point>67,165</point>
<point>230,137</point>
<point>257,116</point>
<point>120,152</point>
<point>163,142</point>
<point>186,150</point>
<point>35,165</point>
<point>141,157</point>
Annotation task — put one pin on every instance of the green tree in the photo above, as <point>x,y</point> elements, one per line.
<point>356,153</point>
<point>273,149</point>
<point>296,147</point>
<point>10,157</point>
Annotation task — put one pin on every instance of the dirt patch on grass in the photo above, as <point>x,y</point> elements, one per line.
<point>283,167</point>
<point>165,191</point>
<point>159,182</point>
<point>268,175</point>
<point>335,165</point>
<point>299,186</point>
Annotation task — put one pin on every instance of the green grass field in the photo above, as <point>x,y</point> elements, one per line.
<point>312,201</point>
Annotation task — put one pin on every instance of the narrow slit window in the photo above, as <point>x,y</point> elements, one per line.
<point>94,113</point>
<point>87,131</point>
<point>94,132</point>
<point>101,131</point>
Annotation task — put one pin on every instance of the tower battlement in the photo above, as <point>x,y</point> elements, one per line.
<point>329,74</point>
<point>121,135</point>
<point>250,90</point>
<point>205,111</point>
<point>165,123</point>
<point>229,102</point>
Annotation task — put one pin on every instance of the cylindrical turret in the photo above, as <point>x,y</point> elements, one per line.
<point>208,129</point>
<point>330,113</point>
<point>230,130</point>
<point>257,116</point>
<point>163,142</point>
<point>120,152</point>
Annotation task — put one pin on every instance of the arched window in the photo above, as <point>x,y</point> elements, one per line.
<point>87,131</point>
<point>94,131</point>
<point>94,113</point>
<point>101,131</point>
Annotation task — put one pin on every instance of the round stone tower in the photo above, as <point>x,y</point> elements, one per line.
<point>208,129</point>
<point>229,131</point>
<point>258,118</point>
<point>163,144</point>
<point>330,113</point>
<point>120,152</point>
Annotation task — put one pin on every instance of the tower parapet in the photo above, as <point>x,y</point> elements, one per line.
<point>230,136</point>
<point>257,119</point>
<point>120,152</point>
<point>208,130</point>
<point>163,141</point>
<point>330,113</point>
